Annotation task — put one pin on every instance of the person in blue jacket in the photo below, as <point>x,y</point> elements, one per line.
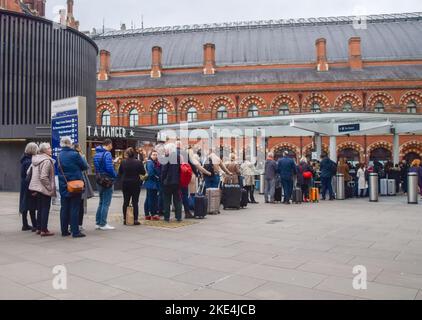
<point>70,167</point>
<point>103,163</point>
<point>152,185</point>
<point>286,168</point>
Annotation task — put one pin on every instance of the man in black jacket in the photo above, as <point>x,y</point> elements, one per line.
<point>170,178</point>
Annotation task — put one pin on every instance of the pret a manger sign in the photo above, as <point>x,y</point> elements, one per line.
<point>109,132</point>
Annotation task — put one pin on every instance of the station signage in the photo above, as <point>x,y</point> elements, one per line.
<point>110,132</point>
<point>349,128</point>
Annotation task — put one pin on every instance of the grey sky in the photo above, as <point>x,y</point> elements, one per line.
<point>90,13</point>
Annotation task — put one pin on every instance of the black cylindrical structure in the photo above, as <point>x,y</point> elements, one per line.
<point>40,62</point>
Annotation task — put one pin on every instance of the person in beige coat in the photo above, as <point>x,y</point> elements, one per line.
<point>196,161</point>
<point>43,183</point>
<point>234,168</point>
<point>248,173</point>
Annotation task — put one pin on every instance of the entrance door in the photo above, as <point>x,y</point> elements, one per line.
<point>351,155</point>
<point>412,156</point>
<point>381,154</point>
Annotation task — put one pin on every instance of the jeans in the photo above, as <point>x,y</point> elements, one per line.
<point>106,195</point>
<point>44,204</point>
<point>185,199</point>
<point>288,189</point>
<point>160,200</point>
<point>131,191</point>
<point>81,212</point>
<point>151,203</point>
<point>169,193</point>
<point>269,189</point>
<point>212,182</point>
<point>327,186</point>
<point>70,211</point>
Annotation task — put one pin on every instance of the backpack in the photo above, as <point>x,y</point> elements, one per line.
<point>185,175</point>
<point>210,167</point>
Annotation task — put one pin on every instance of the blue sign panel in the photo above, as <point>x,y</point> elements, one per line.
<point>64,124</point>
<point>349,128</point>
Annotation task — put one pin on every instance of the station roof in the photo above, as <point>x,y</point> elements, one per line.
<point>386,37</point>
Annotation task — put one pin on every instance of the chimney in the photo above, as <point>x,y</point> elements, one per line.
<point>321,47</point>
<point>11,5</point>
<point>70,19</point>
<point>104,73</point>
<point>209,59</point>
<point>156,68</point>
<point>355,54</point>
<point>70,8</point>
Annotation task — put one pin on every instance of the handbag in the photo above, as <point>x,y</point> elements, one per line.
<point>130,218</point>
<point>103,179</point>
<point>75,186</point>
<point>29,175</point>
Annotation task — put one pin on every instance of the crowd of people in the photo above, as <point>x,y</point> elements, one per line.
<point>171,177</point>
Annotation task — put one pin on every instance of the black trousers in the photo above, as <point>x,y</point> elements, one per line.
<point>44,204</point>
<point>25,219</point>
<point>251,192</point>
<point>131,191</point>
<point>172,193</point>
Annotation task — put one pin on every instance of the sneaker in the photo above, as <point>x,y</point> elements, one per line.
<point>27,228</point>
<point>148,218</point>
<point>97,227</point>
<point>107,227</point>
<point>79,235</point>
<point>81,228</point>
<point>156,218</point>
<point>47,234</point>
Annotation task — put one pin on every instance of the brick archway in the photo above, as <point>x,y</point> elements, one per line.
<point>413,146</point>
<point>350,97</point>
<point>307,150</point>
<point>354,146</point>
<point>189,102</point>
<point>413,95</point>
<point>319,98</point>
<point>285,99</point>
<point>286,146</point>
<point>161,103</point>
<point>222,101</point>
<point>383,97</point>
<point>132,104</point>
<point>106,105</point>
<point>250,100</point>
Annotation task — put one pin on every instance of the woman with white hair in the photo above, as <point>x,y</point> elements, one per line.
<point>43,183</point>
<point>27,202</point>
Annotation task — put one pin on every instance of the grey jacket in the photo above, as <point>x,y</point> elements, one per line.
<point>270,169</point>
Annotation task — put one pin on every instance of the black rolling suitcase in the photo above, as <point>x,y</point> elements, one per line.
<point>200,206</point>
<point>232,196</point>
<point>350,190</point>
<point>278,195</point>
<point>297,196</point>
<point>245,198</point>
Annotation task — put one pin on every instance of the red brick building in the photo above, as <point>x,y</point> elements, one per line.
<point>252,69</point>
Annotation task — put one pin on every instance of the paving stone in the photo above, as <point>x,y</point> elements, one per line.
<point>401,279</point>
<point>10,290</point>
<point>202,277</point>
<point>26,272</point>
<point>215,263</point>
<point>239,285</point>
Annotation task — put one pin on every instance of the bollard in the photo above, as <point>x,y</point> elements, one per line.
<point>261,184</point>
<point>373,187</point>
<point>412,188</point>
<point>340,195</point>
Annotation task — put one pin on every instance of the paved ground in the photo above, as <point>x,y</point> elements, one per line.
<point>264,252</point>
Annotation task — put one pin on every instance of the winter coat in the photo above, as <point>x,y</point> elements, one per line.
<point>103,162</point>
<point>27,202</point>
<point>71,164</point>
<point>270,169</point>
<point>153,169</point>
<point>130,171</point>
<point>286,168</point>
<point>344,169</point>
<point>362,183</point>
<point>170,174</point>
<point>248,172</point>
<point>301,169</point>
<point>234,168</point>
<point>328,168</point>
<point>43,175</point>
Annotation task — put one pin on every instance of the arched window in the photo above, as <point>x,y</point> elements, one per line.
<point>379,107</point>
<point>316,108</point>
<point>106,118</point>
<point>347,107</point>
<point>133,118</point>
<point>222,113</point>
<point>192,115</point>
<point>162,116</point>
<point>253,111</point>
<point>284,110</point>
<point>412,107</point>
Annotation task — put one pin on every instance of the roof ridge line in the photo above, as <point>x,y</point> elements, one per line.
<point>412,16</point>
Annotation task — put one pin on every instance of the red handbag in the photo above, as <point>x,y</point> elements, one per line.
<point>307,175</point>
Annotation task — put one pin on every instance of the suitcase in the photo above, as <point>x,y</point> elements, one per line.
<point>232,196</point>
<point>245,198</point>
<point>384,187</point>
<point>391,187</point>
<point>200,206</point>
<point>278,196</point>
<point>349,191</point>
<point>214,200</point>
<point>314,195</point>
<point>130,218</point>
<point>297,196</point>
